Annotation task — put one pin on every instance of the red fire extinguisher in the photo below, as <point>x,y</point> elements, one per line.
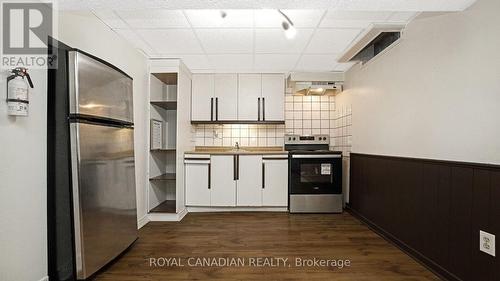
<point>17,92</point>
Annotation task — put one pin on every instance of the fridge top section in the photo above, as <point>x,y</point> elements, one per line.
<point>98,89</point>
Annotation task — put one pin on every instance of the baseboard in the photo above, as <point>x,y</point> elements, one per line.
<point>163,217</point>
<point>142,221</point>
<point>182,214</point>
<point>46,278</point>
<point>416,255</point>
<point>236,209</point>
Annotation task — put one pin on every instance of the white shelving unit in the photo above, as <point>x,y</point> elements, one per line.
<point>169,102</point>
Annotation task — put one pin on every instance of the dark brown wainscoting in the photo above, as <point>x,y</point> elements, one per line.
<point>432,209</point>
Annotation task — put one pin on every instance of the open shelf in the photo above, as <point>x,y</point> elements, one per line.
<point>168,105</point>
<point>167,206</point>
<point>164,177</point>
<point>163,150</point>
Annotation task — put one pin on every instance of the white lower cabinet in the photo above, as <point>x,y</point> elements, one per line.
<point>248,186</point>
<point>275,188</point>
<point>223,183</point>
<point>237,181</point>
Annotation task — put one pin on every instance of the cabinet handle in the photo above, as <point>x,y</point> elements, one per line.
<point>263,109</point>
<point>211,109</point>
<point>258,109</point>
<point>216,109</point>
<point>238,167</point>
<point>209,176</point>
<point>263,175</point>
<point>234,167</point>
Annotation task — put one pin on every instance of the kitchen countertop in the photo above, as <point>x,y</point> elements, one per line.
<point>225,150</point>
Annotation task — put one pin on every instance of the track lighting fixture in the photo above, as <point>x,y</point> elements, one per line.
<point>287,26</point>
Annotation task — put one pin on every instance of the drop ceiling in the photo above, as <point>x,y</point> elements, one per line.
<point>250,39</point>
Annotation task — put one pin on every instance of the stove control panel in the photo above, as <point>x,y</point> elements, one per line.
<point>307,139</point>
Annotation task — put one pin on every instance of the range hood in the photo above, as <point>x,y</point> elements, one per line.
<point>315,84</point>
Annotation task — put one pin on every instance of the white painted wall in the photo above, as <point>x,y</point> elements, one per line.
<point>84,31</point>
<point>23,186</point>
<point>436,94</point>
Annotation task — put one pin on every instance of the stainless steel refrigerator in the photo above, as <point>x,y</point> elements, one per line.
<point>102,161</point>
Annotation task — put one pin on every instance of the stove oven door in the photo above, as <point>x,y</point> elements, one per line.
<point>316,174</point>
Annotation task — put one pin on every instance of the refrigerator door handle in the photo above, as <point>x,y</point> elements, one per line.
<point>75,160</point>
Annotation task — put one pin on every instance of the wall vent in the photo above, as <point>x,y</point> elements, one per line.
<point>373,42</point>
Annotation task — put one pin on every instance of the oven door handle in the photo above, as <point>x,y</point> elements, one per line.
<point>317,156</point>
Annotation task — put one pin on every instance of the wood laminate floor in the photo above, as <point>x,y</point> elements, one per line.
<point>273,235</point>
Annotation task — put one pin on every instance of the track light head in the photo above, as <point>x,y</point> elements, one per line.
<point>289,29</point>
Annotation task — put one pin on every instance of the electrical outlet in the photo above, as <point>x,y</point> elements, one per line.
<point>487,242</point>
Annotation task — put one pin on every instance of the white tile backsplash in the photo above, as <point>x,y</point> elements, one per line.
<point>245,135</point>
<point>342,128</point>
<point>303,115</point>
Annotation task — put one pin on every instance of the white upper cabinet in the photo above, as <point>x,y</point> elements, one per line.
<point>202,97</point>
<point>226,97</point>
<point>273,97</point>
<point>238,97</point>
<point>249,97</point>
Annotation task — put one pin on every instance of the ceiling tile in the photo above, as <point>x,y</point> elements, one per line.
<point>401,16</point>
<point>193,62</point>
<point>359,5</point>
<point>358,15</point>
<point>274,41</point>
<point>110,18</point>
<point>331,41</point>
<point>220,41</point>
<point>212,18</point>
<point>275,62</point>
<point>316,63</point>
<point>353,19</point>
<point>231,62</point>
<point>135,40</point>
<point>300,18</point>
<point>176,41</point>
<point>154,18</point>
<point>343,66</point>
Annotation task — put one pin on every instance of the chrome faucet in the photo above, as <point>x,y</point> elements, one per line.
<point>237,146</point>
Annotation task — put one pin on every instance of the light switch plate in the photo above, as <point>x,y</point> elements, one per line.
<point>487,242</point>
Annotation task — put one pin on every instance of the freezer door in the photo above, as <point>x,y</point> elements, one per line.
<point>98,89</point>
<point>104,203</point>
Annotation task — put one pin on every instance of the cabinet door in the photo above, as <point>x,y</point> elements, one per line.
<point>275,190</point>
<point>273,97</point>
<point>249,94</point>
<point>249,187</point>
<point>202,97</point>
<point>226,97</point>
<point>223,184</point>
<point>197,184</point>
